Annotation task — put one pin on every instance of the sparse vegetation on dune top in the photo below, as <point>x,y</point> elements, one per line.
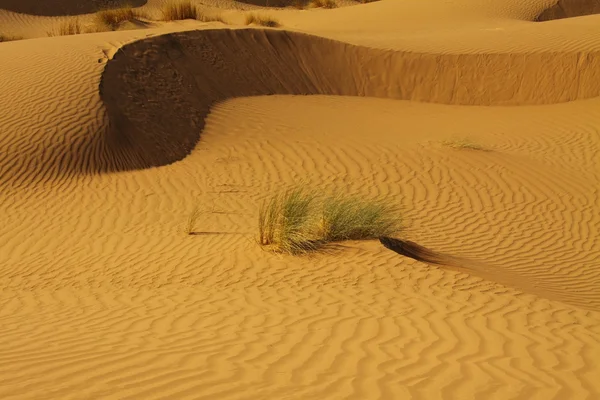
<point>180,10</point>
<point>112,19</point>
<point>103,21</point>
<point>262,20</point>
<point>324,4</point>
<point>201,16</point>
<point>9,38</point>
<point>299,221</point>
<point>302,4</point>
<point>68,27</point>
<point>191,222</point>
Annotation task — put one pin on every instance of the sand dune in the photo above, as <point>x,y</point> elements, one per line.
<point>480,123</point>
<point>192,71</point>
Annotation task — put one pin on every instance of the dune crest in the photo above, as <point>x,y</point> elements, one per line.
<point>158,91</point>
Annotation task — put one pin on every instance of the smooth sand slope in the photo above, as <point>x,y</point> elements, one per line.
<point>109,140</point>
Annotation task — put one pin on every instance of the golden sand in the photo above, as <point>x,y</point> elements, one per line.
<point>480,122</point>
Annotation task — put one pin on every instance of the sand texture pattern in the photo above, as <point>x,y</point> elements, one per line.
<point>481,123</point>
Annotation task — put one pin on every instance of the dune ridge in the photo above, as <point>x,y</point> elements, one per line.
<point>167,84</point>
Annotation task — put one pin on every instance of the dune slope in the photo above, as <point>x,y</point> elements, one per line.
<point>167,84</point>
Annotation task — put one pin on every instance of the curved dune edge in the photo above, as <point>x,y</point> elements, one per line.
<point>158,91</point>
<point>490,272</point>
<point>54,8</point>
<point>569,9</point>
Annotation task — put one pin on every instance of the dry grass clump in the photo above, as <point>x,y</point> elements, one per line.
<point>112,19</point>
<point>464,144</point>
<point>324,4</point>
<point>298,221</point>
<point>68,27</point>
<point>9,38</point>
<point>191,222</point>
<point>210,18</point>
<point>262,20</point>
<point>285,223</point>
<point>357,219</point>
<point>299,4</point>
<point>180,10</point>
<point>104,20</point>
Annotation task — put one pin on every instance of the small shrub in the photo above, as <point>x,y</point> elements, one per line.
<point>112,19</point>
<point>262,20</point>
<point>298,221</point>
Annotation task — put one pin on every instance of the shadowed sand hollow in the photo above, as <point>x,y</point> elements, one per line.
<point>569,9</point>
<point>158,91</point>
<point>53,8</point>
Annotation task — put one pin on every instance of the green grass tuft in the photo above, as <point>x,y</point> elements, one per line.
<point>299,221</point>
<point>357,219</point>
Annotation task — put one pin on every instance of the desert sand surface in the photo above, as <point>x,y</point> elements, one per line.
<point>109,140</point>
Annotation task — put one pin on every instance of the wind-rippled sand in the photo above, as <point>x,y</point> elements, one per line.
<point>109,140</point>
